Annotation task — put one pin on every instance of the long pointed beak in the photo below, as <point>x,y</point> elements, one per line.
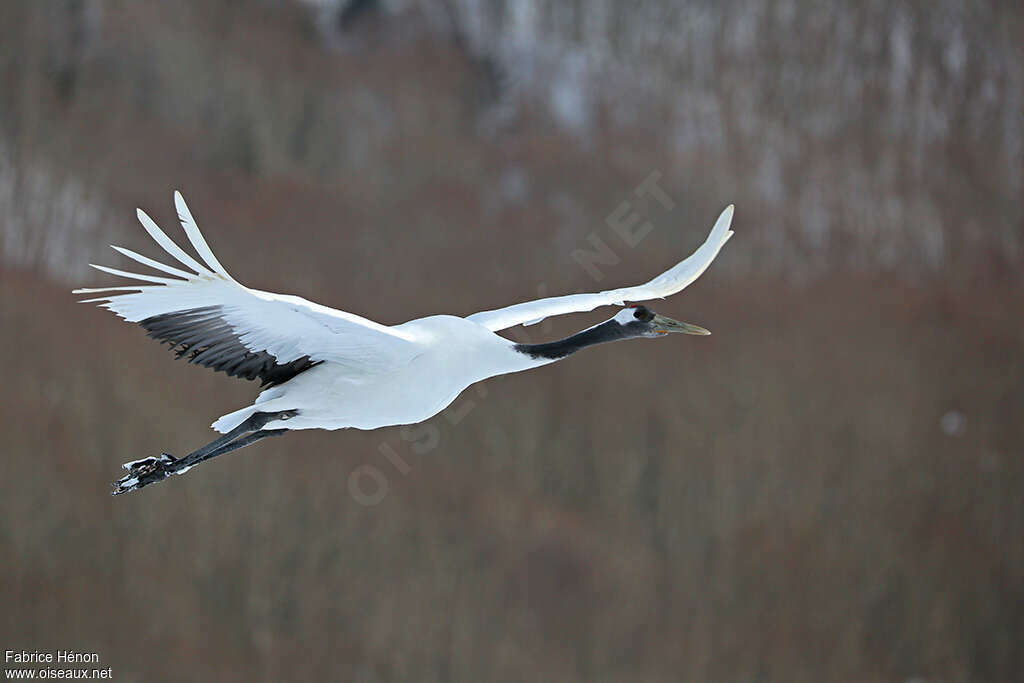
<point>665,325</point>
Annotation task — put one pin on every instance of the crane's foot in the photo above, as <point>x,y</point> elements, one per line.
<point>145,472</point>
<point>151,470</point>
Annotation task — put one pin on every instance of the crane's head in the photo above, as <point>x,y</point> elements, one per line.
<point>640,321</point>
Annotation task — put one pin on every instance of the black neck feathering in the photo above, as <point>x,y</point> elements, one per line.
<point>605,332</point>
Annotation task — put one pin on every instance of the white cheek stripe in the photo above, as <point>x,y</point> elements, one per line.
<point>626,315</point>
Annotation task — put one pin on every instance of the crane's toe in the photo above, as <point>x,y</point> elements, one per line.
<point>143,472</point>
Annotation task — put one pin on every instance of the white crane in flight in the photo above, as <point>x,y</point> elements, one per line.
<point>328,369</point>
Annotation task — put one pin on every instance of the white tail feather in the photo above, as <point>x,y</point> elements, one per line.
<point>226,423</point>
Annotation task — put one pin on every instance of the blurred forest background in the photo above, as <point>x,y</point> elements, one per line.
<point>828,488</point>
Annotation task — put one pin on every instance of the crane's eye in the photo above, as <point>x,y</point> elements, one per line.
<point>642,313</point>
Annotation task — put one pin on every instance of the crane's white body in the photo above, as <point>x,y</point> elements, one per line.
<point>331,396</point>
<point>367,375</point>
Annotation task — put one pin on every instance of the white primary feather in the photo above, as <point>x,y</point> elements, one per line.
<point>196,237</point>
<point>146,261</point>
<point>669,282</point>
<point>133,276</point>
<point>168,245</point>
<point>286,327</point>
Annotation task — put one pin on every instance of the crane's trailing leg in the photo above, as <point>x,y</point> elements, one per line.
<point>153,469</point>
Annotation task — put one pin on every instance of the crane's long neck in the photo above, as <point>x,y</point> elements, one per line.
<point>598,334</point>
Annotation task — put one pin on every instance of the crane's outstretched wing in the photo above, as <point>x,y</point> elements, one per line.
<point>205,314</point>
<point>669,282</point>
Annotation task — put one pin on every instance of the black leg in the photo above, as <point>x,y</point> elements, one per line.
<point>253,423</point>
<point>151,470</point>
<point>242,443</point>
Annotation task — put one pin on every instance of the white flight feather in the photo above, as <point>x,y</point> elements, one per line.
<point>134,276</point>
<point>287,327</point>
<point>146,261</point>
<point>165,242</point>
<point>196,237</point>
<point>669,282</point>
<point>93,290</point>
